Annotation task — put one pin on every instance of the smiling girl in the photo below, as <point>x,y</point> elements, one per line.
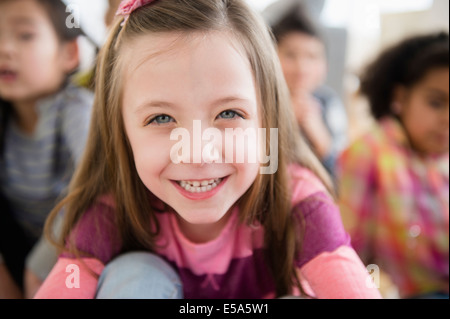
<point>139,225</point>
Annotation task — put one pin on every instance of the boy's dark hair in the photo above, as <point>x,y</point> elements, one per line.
<point>58,16</point>
<point>406,64</point>
<point>296,20</point>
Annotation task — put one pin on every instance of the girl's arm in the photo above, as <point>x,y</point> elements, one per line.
<point>339,275</point>
<point>72,279</point>
<point>327,263</point>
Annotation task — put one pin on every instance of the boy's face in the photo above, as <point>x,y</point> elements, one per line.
<point>170,81</point>
<point>424,112</point>
<point>303,60</point>
<point>32,62</point>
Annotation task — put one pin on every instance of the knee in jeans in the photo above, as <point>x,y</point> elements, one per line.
<point>139,275</point>
<point>141,262</point>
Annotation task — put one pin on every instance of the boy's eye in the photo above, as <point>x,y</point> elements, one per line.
<point>26,36</point>
<point>436,104</point>
<point>161,119</point>
<point>229,114</point>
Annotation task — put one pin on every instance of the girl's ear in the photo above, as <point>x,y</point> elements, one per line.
<point>70,56</point>
<point>399,99</point>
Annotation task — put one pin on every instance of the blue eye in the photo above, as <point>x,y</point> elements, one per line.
<point>161,119</point>
<point>229,115</point>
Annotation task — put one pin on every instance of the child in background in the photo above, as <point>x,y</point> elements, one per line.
<point>43,127</point>
<point>319,111</point>
<point>394,185</point>
<point>147,222</point>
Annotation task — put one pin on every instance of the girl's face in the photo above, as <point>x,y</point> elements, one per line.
<point>424,112</point>
<point>33,62</point>
<point>170,81</point>
<point>303,61</point>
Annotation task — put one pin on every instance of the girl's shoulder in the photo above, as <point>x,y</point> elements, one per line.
<point>385,138</point>
<point>317,214</point>
<point>304,184</point>
<point>381,133</point>
<point>96,233</point>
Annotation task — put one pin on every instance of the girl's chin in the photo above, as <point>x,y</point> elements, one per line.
<point>203,216</point>
<point>196,217</point>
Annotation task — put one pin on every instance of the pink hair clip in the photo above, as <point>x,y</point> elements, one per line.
<point>126,7</point>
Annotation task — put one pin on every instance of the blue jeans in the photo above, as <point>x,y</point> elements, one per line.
<point>432,295</point>
<point>139,275</point>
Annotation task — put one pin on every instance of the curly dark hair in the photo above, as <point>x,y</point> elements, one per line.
<point>405,64</point>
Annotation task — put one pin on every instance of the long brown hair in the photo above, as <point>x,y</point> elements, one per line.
<point>108,166</point>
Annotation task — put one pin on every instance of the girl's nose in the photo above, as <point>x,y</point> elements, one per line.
<point>207,146</point>
<point>6,46</point>
<point>211,153</point>
<point>199,144</point>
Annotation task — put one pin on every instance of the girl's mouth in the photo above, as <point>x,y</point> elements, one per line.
<point>200,186</point>
<point>200,189</point>
<point>7,75</point>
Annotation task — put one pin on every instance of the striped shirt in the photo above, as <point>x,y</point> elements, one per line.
<point>37,168</point>
<point>232,265</point>
<point>395,206</point>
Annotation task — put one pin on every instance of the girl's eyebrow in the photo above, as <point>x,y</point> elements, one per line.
<point>232,99</point>
<point>169,105</point>
<point>154,104</point>
<point>437,92</point>
<point>23,21</point>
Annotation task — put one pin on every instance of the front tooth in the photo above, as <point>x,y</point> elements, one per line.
<point>199,187</point>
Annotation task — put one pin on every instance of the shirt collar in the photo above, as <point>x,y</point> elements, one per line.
<point>396,133</point>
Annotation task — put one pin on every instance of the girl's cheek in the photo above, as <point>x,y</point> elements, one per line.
<point>241,146</point>
<point>157,149</point>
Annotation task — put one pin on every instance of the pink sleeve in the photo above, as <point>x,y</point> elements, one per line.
<point>71,279</point>
<point>338,275</point>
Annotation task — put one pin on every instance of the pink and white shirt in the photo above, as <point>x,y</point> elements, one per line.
<point>231,266</point>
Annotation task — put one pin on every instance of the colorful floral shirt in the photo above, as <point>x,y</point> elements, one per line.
<point>395,206</point>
